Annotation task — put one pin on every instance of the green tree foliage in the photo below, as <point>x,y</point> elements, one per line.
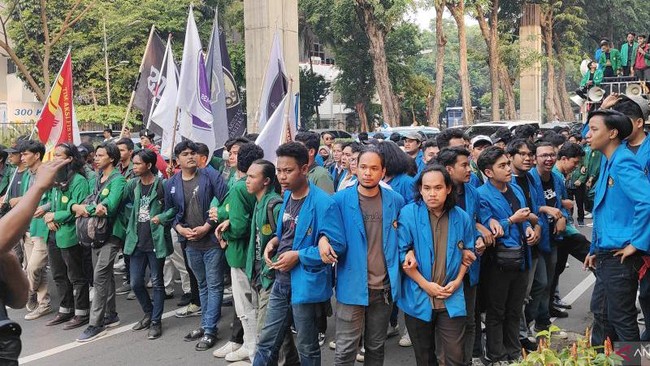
<point>313,91</point>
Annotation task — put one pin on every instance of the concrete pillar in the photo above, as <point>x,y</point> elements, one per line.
<point>530,77</point>
<point>261,19</point>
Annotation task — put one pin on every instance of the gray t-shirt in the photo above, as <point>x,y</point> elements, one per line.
<point>289,223</point>
<point>372,213</point>
<point>193,216</point>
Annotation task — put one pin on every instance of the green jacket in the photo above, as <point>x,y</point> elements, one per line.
<point>592,164</point>
<point>61,204</point>
<point>128,173</point>
<point>262,232</point>
<point>37,227</point>
<point>624,51</point>
<point>111,197</point>
<point>6,174</point>
<point>237,207</point>
<point>579,173</point>
<point>321,178</point>
<point>614,58</point>
<point>598,78</point>
<point>161,234</point>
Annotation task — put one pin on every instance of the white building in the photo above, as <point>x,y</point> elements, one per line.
<point>332,110</point>
<point>17,103</point>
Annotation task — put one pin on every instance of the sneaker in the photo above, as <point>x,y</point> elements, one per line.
<point>392,331</point>
<point>91,333</point>
<point>184,300</point>
<point>405,341</point>
<point>581,223</point>
<point>321,339</point>
<point>124,289</point>
<point>226,349</point>
<point>527,344</point>
<point>558,313</point>
<point>208,341</point>
<point>560,334</point>
<point>155,331</point>
<point>189,310</point>
<point>476,361</point>
<point>32,302</point>
<point>130,296</point>
<point>591,224</point>
<point>558,303</point>
<point>119,264</point>
<point>76,322</point>
<point>111,321</point>
<point>240,354</point>
<point>332,345</point>
<point>361,356</point>
<point>588,215</point>
<point>39,312</point>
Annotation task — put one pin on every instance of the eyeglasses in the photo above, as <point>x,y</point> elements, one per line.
<point>547,156</point>
<point>526,154</point>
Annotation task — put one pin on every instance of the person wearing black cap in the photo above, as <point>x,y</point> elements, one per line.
<point>621,227</point>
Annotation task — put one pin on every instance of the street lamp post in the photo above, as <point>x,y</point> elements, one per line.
<point>107,77</point>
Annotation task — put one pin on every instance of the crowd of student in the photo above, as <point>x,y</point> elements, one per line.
<point>442,230</point>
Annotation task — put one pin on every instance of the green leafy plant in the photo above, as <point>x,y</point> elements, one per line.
<point>580,353</point>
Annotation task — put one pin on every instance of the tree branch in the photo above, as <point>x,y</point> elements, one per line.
<point>46,30</point>
<point>23,69</point>
<point>67,23</point>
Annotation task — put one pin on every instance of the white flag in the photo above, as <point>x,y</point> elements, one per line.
<point>274,133</point>
<point>275,83</point>
<point>164,112</point>
<point>193,100</point>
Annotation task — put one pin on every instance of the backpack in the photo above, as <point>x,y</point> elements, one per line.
<point>92,231</point>
<point>270,206</point>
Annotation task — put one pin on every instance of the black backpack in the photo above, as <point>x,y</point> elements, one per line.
<point>92,231</point>
<point>270,206</point>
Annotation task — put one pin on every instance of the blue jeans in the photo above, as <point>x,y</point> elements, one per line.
<point>614,297</point>
<point>138,265</point>
<point>278,320</point>
<point>207,266</point>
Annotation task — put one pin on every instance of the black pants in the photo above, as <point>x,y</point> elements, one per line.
<point>194,284</point>
<point>504,292</point>
<point>237,335</point>
<point>577,245</point>
<point>442,330</point>
<point>578,194</point>
<point>87,264</point>
<point>67,271</point>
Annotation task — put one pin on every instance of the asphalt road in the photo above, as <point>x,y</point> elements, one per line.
<point>120,346</point>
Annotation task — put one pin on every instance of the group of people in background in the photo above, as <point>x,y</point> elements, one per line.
<point>632,59</point>
<point>442,230</point>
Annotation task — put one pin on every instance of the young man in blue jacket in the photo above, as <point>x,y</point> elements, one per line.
<point>368,274</point>
<point>190,191</point>
<point>303,283</point>
<point>505,264</point>
<point>621,229</point>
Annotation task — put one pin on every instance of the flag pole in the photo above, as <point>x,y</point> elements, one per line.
<point>259,101</point>
<point>155,96</point>
<point>171,157</point>
<point>287,120</point>
<point>128,107</point>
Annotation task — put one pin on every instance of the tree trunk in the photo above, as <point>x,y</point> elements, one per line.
<point>490,36</point>
<point>547,31</point>
<point>458,12</point>
<point>441,42</point>
<point>376,35</point>
<point>363,118</point>
<point>509,106</point>
<point>567,111</point>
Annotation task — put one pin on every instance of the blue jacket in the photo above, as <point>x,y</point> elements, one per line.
<point>536,197</point>
<point>211,185</point>
<point>474,180</point>
<point>622,205</point>
<point>404,185</point>
<point>311,279</point>
<point>561,194</point>
<point>643,155</point>
<point>352,267</point>
<point>473,209</point>
<point>496,206</point>
<point>414,231</point>
<point>419,161</point>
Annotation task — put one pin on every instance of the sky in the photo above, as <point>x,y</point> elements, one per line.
<point>423,17</point>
